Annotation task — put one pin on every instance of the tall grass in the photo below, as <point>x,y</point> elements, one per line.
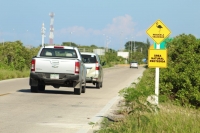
<point>9,74</point>
<point>140,118</point>
<point>172,119</point>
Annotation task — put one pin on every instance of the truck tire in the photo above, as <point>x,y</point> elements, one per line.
<point>83,88</point>
<point>78,91</point>
<point>101,84</point>
<point>98,85</point>
<point>34,89</point>
<point>41,87</point>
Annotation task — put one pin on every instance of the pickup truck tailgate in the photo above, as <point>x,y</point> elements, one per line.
<point>91,69</point>
<point>46,65</point>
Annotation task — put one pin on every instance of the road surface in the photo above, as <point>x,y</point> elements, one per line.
<point>59,110</point>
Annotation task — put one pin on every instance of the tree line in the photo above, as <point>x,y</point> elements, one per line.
<point>138,50</point>
<point>15,56</point>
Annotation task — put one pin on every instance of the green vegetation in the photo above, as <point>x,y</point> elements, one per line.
<point>140,116</point>
<point>141,50</point>
<point>137,56</point>
<point>178,121</point>
<point>179,98</point>
<point>15,60</point>
<point>111,59</point>
<point>9,74</point>
<point>181,81</point>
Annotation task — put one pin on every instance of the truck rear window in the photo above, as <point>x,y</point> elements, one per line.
<point>51,52</point>
<point>89,58</point>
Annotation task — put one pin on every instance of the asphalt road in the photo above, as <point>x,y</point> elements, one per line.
<point>59,110</point>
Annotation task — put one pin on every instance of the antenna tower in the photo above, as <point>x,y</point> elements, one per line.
<point>51,36</point>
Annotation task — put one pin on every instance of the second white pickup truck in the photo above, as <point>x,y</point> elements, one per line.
<point>58,66</point>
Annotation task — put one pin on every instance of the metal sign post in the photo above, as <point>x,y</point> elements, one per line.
<point>157,58</point>
<point>157,80</point>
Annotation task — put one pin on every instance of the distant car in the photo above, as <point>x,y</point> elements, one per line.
<point>134,64</point>
<point>94,69</point>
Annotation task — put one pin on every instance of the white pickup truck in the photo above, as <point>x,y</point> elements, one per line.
<point>58,66</point>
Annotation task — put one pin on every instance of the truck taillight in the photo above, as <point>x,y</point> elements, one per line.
<point>97,66</point>
<point>33,65</point>
<point>77,67</point>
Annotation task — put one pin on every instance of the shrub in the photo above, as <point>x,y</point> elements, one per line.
<point>15,56</point>
<point>180,81</point>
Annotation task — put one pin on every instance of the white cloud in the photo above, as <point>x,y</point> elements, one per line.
<point>119,24</point>
<point>87,36</point>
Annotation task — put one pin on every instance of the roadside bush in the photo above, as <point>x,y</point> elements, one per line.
<point>180,81</point>
<point>137,56</point>
<point>141,117</point>
<point>111,59</point>
<point>15,56</point>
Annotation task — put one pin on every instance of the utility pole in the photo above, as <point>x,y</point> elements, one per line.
<point>134,46</point>
<point>104,41</point>
<point>131,50</point>
<point>107,43</point>
<point>131,45</point>
<point>43,34</point>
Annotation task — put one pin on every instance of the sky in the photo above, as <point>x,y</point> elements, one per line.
<point>102,23</point>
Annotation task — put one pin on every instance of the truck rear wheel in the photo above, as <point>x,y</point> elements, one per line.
<point>83,88</point>
<point>34,89</point>
<point>41,87</point>
<point>101,84</point>
<point>77,91</point>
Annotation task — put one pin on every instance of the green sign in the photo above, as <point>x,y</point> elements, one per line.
<point>163,43</point>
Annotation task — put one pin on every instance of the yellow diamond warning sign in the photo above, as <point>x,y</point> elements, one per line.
<point>158,31</point>
<point>157,58</point>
